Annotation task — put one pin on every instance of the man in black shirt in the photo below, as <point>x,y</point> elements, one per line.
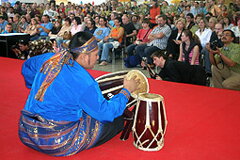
<point>215,41</point>
<point>176,71</point>
<point>129,30</point>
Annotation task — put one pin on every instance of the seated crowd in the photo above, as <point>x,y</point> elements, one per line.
<point>202,33</point>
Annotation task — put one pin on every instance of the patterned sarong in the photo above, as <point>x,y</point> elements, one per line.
<point>59,138</point>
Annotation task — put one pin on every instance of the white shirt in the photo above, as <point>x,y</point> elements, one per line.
<point>204,36</point>
<point>236,31</point>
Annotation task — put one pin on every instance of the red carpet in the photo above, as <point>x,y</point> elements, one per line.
<point>203,123</point>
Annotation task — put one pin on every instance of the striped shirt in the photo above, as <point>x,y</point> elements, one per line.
<point>161,43</point>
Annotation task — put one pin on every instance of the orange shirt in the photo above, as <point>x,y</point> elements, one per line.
<point>154,11</point>
<point>115,32</point>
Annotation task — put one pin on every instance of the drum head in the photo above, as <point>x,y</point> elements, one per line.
<point>143,86</point>
<point>151,97</point>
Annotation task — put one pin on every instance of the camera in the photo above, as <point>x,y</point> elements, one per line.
<point>14,47</point>
<point>215,44</point>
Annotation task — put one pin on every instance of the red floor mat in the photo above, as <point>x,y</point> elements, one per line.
<point>203,123</point>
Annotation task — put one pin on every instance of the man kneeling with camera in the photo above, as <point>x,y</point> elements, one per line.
<point>226,63</point>
<point>176,71</point>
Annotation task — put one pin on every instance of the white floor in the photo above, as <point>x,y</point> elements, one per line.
<point>118,66</point>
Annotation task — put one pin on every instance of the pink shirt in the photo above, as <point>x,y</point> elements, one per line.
<point>74,29</point>
<point>190,58</point>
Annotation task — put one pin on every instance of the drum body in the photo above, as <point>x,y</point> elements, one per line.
<point>150,122</point>
<point>112,83</point>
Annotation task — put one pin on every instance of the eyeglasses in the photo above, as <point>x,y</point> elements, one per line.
<point>227,35</point>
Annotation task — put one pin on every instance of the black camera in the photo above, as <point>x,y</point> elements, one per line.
<point>216,44</point>
<point>14,47</point>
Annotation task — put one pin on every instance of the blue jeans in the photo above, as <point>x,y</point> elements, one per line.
<point>140,50</point>
<point>130,49</point>
<point>103,50</point>
<point>146,51</point>
<point>149,51</point>
<point>207,62</point>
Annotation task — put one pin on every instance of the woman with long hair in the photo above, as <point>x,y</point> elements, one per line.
<point>55,30</point>
<point>189,48</point>
<point>22,24</point>
<point>32,29</point>
<point>203,33</point>
<point>227,23</point>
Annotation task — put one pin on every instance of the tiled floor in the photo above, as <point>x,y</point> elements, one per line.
<point>118,66</point>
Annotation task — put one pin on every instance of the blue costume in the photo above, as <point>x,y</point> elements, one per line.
<point>71,115</point>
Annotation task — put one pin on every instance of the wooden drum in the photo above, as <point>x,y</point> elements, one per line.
<point>112,83</point>
<point>150,122</point>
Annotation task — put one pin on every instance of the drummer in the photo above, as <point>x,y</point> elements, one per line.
<point>65,112</point>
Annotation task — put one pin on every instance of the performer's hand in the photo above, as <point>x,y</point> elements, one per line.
<point>132,84</point>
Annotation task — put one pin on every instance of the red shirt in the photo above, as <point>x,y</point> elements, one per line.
<point>143,34</point>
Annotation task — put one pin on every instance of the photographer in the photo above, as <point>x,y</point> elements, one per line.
<point>226,63</point>
<point>176,71</point>
<point>21,50</point>
<point>215,41</point>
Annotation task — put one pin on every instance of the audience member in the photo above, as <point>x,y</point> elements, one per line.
<point>76,25</point>
<point>101,32</point>
<point>113,40</point>
<point>129,30</point>
<point>55,30</point>
<point>203,32</point>
<point>236,30</point>
<point>227,23</point>
<point>215,41</point>
<point>142,37</point>
<point>158,39</point>
<point>22,25</point>
<point>45,27</point>
<point>226,63</point>
<point>90,27</point>
<point>3,24</point>
<point>154,11</point>
<point>9,29</point>
<point>189,48</point>
<point>32,29</point>
<point>174,40</point>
